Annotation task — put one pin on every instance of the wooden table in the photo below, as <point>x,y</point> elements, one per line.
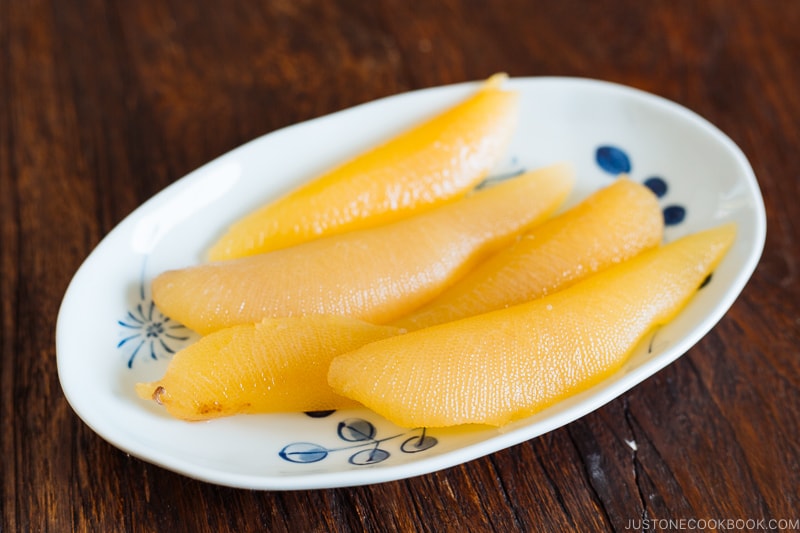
<point>103,104</point>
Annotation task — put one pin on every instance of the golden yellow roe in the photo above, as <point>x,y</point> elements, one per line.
<point>376,274</point>
<point>511,363</point>
<point>279,364</point>
<point>610,226</point>
<point>433,163</point>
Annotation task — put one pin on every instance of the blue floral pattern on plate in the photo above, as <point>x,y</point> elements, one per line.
<point>147,330</point>
<point>361,435</point>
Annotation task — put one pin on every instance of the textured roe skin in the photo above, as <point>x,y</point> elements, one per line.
<point>377,274</point>
<point>610,226</point>
<point>277,365</point>
<point>511,363</point>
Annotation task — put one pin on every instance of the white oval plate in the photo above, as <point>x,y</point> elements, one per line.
<point>110,336</point>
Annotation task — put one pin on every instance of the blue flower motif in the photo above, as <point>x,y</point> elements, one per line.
<point>150,331</point>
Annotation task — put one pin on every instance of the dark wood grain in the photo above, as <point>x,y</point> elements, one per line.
<point>104,103</point>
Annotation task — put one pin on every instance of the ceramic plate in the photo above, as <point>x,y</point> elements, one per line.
<point>110,335</point>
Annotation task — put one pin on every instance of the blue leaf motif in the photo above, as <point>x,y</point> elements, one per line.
<point>657,185</point>
<point>613,160</point>
<point>320,414</point>
<point>362,436</point>
<point>418,444</point>
<point>369,457</point>
<point>674,214</point>
<point>356,430</point>
<point>303,452</point>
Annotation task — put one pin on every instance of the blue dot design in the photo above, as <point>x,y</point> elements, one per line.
<point>616,161</point>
